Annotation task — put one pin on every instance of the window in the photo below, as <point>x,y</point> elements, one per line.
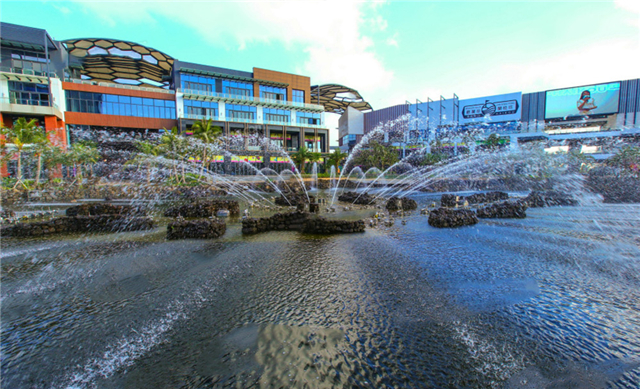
<point>28,93</point>
<point>307,118</point>
<point>241,112</point>
<point>277,115</point>
<point>100,103</point>
<point>200,109</point>
<point>237,88</point>
<point>276,118</point>
<point>273,93</point>
<point>198,83</point>
<point>297,96</point>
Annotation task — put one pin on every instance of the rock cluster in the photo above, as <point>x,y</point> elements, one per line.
<point>278,222</point>
<point>321,225</point>
<point>295,198</point>
<point>401,203</point>
<point>204,209</point>
<point>196,229</point>
<point>300,221</point>
<point>356,198</point>
<point>503,210</point>
<point>548,199</point>
<point>69,224</point>
<point>445,218</point>
<point>102,209</point>
<point>451,200</point>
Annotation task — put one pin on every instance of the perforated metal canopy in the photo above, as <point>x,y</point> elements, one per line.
<point>121,61</point>
<point>336,98</point>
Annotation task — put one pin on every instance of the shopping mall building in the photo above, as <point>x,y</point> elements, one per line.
<point>578,115</point>
<point>117,87</point>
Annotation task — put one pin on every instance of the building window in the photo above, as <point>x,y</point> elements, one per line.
<point>277,115</point>
<point>107,104</point>
<point>237,88</point>
<point>199,109</point>
<point>198,83</point>
<point>273,93</point>
<point>241,112</point>
<point>198,86</point>
<point>297,96</point>
<point>307,118</point>
<point>28,93</point>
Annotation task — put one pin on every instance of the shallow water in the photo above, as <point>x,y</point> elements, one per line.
<point>549,301</point>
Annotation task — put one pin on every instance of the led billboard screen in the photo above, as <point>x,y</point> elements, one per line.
<point>499,108</point>
<point>582,101</point>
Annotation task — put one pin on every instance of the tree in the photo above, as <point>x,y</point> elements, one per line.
<point>82,154</point>
<point>492,142</point>
<point>376,155</point>
<point>146,150</point>
<point>52,156</point>
<point>336,158</point>
<point>172,144</point>
<point>301,156</point>
<point>22,133</point>
<point>205,131</point>
<point>628,158</point>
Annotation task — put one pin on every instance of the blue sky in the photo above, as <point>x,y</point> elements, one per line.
<point>391,51</point>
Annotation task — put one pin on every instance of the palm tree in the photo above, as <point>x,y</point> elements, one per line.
<point>52,156</point>
<point>82,154</point>
<point>39,146</point>
<point>204,131</point>
<point>23,132</point>
<point>301,156</point>
<point>336,158</point>
<point>173,146</point>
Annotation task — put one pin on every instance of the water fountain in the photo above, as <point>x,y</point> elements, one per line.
<point>550,300</point>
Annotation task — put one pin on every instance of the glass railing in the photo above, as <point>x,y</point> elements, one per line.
<point>31,102</point>
<point>27,72</point>
<point>254,99</point>
<point>121,86</point>
<point>255,121</point>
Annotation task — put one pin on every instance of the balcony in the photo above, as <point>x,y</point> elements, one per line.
<point>26,75</point>
<point>253,121</point>
<point>121,86</point>
<point>29,107</point>
<point>251,100</point>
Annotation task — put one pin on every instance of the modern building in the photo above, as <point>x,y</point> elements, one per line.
<point>612,110</point>
<point>115,87</point>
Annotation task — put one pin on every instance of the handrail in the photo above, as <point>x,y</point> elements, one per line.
<point>27,72</point>
<point>13,100</point>
<point>253,121</point>
<point>255,99</point>
<point>121,86</point>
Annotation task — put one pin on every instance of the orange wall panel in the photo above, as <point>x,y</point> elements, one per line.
<point>117,91</point>
<point>295,81</point>
<point>96,119</point>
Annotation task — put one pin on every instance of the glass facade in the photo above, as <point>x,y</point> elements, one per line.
<point>237,88</point>
<point>273,92</point>
<point>308,118</point>
<point>101,103</point>
<point>208,109</point>
<point>28,93</point>
<point>25,61</point>
<point>199,83</point>
<point>297,96</point>
<point>277,115</point>
<point>244,112</point>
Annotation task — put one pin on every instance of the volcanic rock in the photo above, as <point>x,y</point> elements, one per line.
<point>503,210</point>
<point>446,218</point>
<point>204,209</point>
<point>547,199</point>
<point>196,229</point>
<point>401,203</point>
<point>356,198</point>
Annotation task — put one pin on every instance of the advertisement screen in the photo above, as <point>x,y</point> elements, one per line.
<point>498,108</point>
<point>582,101</point>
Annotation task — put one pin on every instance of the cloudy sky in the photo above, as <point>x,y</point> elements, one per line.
<point>390,51</point>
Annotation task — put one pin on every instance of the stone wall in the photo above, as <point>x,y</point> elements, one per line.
<point>447,218</point>
<point>196,229</point>
<point>321,225</point>
<point>401,203</point>
<point>615,189</point>
<point>503,210</point>
<point>102,209</point>
<point>71,224</point>
<point>356,198</point>
<point>204,209</point>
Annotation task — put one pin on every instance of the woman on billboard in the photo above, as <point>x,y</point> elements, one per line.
<point>586,103</point>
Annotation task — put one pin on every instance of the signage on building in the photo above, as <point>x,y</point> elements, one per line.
<point>247,158</point>
<point>279,160</point>
<point>498,108</point>
<point>583,101</point>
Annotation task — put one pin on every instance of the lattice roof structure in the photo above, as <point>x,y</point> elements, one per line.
<point>336,98</point>
<point>121,61</point>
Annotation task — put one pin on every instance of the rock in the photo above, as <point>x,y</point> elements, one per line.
<point>356,198</point>
<point>447,218</point>
<point>294,199</point>
<point>547,199</point>
<point>401,203</point>
<point>488,197</point>
<point>102,209</point>
<point>196,229</point>
<point>448,200</point>
<point>81,223</point>
<point>314,208</point>
<point>503,210</point>
<point>204,209</point>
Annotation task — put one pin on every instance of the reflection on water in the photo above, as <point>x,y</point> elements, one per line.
<point>547,301</point>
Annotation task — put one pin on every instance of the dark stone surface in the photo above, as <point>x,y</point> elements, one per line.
<point>350,197</point>
<point>622,189</point>
<point>550,198</point>
<point>102,209</point>
<point>488,197</point>
<point>447,218</point>
<point>314,208</point>
<point>294,198</point>
<point>401,203</point>
<point>505,209</point>
<point>300,221</point>
<point>448,200</point>
<point>196,229</point>
<point>70,224</point>
<point>204,209</point>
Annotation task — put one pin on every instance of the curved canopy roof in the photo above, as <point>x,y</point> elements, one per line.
<point>120,61</point>
<point>336,98</point>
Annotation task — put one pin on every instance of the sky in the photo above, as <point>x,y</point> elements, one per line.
<point>390,51</point>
